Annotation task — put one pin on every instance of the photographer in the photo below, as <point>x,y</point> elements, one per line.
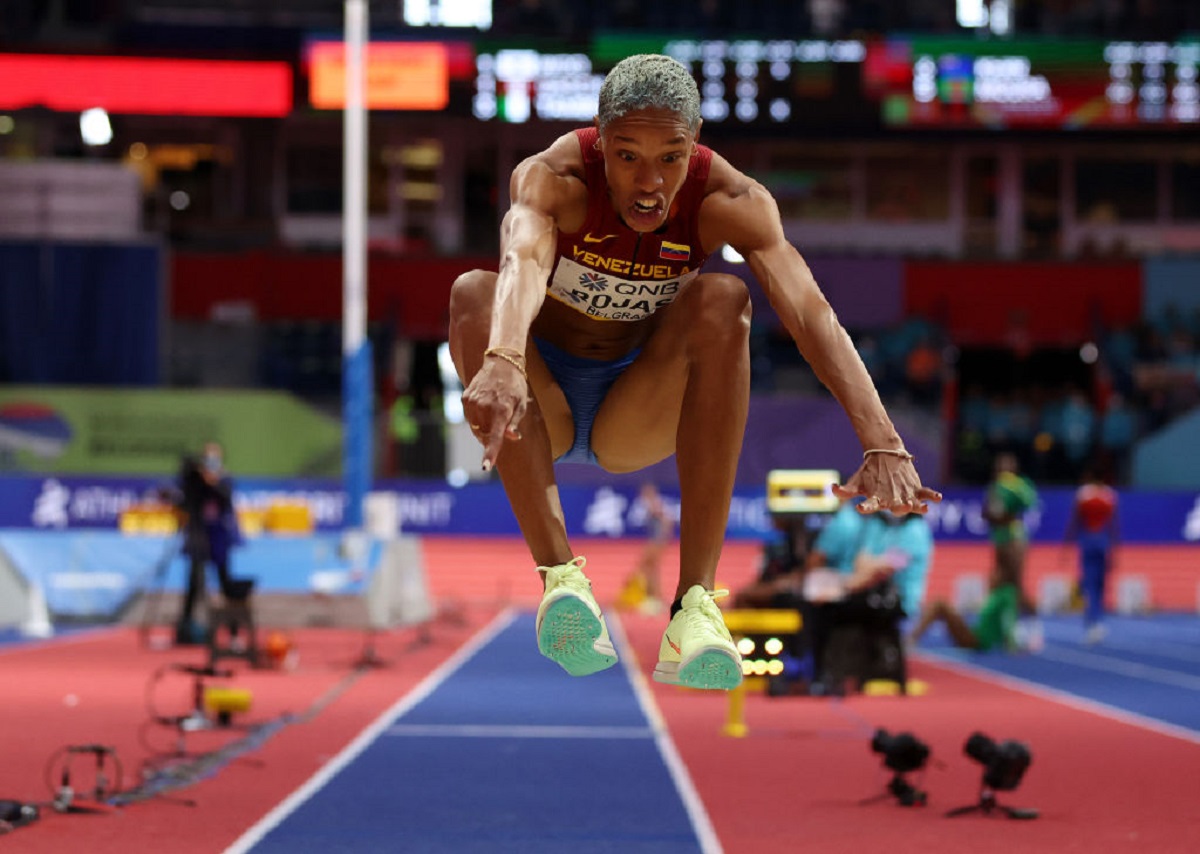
<point>210,531</point>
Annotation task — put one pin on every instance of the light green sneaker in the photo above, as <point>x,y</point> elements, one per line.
<point>570,627</point>
<point>697,649</point>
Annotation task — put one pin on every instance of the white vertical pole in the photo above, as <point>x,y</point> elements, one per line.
<point>354,177</point>
<point>356,358</point>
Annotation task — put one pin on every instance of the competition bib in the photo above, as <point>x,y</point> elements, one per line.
<point>606,296</point>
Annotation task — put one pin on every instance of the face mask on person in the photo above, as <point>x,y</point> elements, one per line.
<point>212,462</point>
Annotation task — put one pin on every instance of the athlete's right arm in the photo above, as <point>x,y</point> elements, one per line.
<point>544,189</point>
<point>528,236</point>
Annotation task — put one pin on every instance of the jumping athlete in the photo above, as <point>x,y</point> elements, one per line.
<point>601,340</point>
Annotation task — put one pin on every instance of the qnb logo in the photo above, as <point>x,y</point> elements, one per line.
<point>593,281</point>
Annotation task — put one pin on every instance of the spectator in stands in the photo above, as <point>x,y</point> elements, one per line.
<point>1093,525</point>
<point>994,627</point>
<point>1118,430</point>
<point>923,371</point>
<point>1076,431</point>
<point>210,532</point>
<point>1009,497</point>
<point>573,353</point>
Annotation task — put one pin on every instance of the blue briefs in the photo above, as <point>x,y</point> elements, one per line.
<point>584,383</point>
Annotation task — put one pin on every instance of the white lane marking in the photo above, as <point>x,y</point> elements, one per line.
<point>349,753</point>
<point>709,843</point>
<point>1122,667</point>
<point>1064,698</point>
<point>506,731</point>
<point>1157,649</point>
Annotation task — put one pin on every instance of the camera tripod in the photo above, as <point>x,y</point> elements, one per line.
<point>987,805</point>
<point>905,793</point>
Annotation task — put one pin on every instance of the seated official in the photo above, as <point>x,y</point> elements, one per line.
<point>842,580</point>
<point>905,543</point>
<point>782,567</point>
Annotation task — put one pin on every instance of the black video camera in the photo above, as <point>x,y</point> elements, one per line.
<point>1005,763</point>
<point>902,752</point>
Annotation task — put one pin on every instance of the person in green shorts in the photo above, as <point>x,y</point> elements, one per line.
<point>994,627</point>
<point>1009,497</point>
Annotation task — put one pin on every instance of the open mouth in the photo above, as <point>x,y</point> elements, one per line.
<point>647,211</point>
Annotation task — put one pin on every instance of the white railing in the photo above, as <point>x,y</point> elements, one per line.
<point>70,200</point>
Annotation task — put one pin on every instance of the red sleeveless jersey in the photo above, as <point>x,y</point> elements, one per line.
<point>1096,505</point>
<point>607,270</point>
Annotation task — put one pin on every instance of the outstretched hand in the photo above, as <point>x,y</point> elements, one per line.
<point>888,482</point>
<point>494,403</point>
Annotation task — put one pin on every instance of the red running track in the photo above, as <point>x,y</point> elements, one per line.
<point>795,783</point>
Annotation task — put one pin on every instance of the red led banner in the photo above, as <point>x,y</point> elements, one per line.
<point>149,86</point>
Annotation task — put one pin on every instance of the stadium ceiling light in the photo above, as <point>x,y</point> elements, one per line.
<point>94,126</point>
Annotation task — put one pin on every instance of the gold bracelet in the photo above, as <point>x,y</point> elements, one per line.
<point>511,355</point>
<point>895,452</point>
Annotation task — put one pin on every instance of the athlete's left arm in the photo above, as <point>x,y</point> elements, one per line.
<point>741,212</point>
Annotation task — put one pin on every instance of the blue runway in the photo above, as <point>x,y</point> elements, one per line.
<point>1147,667</point>
<point>505,736</point>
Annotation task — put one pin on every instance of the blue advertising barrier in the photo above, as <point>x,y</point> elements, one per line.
<point>433,507</point>
<point>93,574</point>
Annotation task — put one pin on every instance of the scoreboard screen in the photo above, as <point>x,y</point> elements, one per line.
<point>742,82</point>
<point>797,85</point>
<point>960,83</point>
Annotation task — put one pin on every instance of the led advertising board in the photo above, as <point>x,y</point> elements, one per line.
<point>146,85</point>
<point>400,75</point>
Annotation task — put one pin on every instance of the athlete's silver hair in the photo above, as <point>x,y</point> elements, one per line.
<point>649,81</point>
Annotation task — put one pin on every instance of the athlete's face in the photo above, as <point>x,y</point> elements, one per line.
<point>646,155</point>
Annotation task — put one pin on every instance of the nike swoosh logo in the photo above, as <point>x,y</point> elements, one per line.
<point>673,645</point>
<point>587,238</point>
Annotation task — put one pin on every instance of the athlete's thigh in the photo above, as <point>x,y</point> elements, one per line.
<point>637,421</point>
<point>636,424</point>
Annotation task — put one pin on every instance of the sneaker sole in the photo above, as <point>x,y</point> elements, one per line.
<point>712,669</point>
<point>667,672</point>
<point>568,636</point>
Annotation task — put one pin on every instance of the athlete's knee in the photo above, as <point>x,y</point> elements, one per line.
<point>472,292</point>
<point>718,303</point>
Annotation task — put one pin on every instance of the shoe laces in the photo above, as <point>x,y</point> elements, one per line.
<point>706,612</point>
<point>569,575</point>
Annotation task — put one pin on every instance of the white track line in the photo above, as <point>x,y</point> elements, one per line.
<point>1158,649</point>
<point>349,753</point>
<point>1120,666</point>
<point>1062,697</point>
<point>709,843</point>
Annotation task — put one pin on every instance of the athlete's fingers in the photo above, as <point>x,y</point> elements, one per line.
<point>927,494</point>
<point>845,491</point>
<point>870,505</point>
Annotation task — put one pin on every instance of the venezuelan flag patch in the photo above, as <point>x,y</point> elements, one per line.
<point>675,251</point>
